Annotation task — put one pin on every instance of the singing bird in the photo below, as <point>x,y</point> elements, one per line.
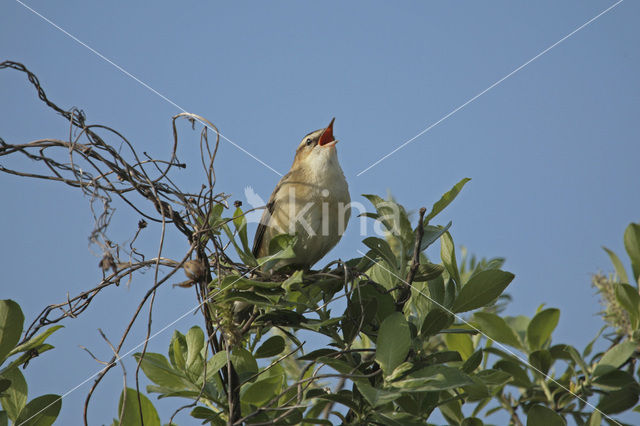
<point>311,201</point>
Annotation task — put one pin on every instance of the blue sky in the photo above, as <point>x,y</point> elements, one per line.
<point>552,150</point>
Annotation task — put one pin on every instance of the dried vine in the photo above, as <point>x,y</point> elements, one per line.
<point>89,160</point>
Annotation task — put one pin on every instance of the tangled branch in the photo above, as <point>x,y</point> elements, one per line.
<point>88,160</point>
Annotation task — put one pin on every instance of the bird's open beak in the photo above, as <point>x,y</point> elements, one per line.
<point>326,139</point>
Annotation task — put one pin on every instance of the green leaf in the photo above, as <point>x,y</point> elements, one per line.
<point>450,293</point>
<point>132,409</point>
<point>617,265</point>
<point>620,400</point>
<point>482,289</point>
<point>437,291</point>
<point>520,377</point>
<point>505,355</point>
<point>587,350</point>
<point>249,297</point>
<point>394,341</point>
<point>448,255</point>
<point>577,358</point>
<point>472,362</point>
<point>11,322</point>
<point>452,410</point>
<point>271,347</point>
<point>376,397</point>
<point>343,397</point>
<point>370,215</point>
<point>632,245</point>
<point>242,283</point>
<point>262,391</point>
<point>35,341</point>
<point>431,234</point>
<point>472,421</point>
<point>595,419</point>
<point>203,413</point>
<point>292,417</point>
<point>394,418</point>
<point>216,362</point>
<point>614,380</point>
<point>215,217</point>
<point>385,304</point>
<point>315,421</point>
<point>340,366</point>
<point>165,392</point>
<point>381,248</point>
<point>27,356</point>
<point>433,378</point>
<point>14,398</point>
<point>280,248</point>
<point>629,299</point>
<point>560,352</point>
<point>294,282</point>
<point>213,387</point>
<point>178,350</point>
<point>158,370</point>
<point>541,327</point>
<point>40,411</point>
<point>284,317</point>
<point>381,274</point>
<point>246,256</point>
<point>614,358</point>
<point>493,377</point>
<point>428,271</point>
<point>519,324</point>
<point>314,355</point>
<point>445,200</point>
<point>476,392</point>
<point>399,371</point>
<point>539,415</point>
<point>496,328</point>
<point>240,223</point>
<point>195,343</point>
<point>541,361</point>
<point>4,420</point>
<point>394,218</point>
<point>357,317</point>
<point>461,343</point>
<point>244,363</point>
<point>437,319</point>
<point>442,357</point>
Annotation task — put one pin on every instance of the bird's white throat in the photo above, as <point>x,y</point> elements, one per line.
<point>324,169</point>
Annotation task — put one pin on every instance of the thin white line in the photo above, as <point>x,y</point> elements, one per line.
<point>506,349</point>
<point>119,358</point>
<point>127,73</point>
<point>491,87</point>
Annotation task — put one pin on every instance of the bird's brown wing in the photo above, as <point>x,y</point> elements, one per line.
<point>266,217</point>
<point>262,227</point>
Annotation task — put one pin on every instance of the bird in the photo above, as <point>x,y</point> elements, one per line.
<point>311,201</point>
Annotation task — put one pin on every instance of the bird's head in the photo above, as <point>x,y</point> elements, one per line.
<point>316,148</point>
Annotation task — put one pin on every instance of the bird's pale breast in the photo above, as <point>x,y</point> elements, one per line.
<point>315,206</point>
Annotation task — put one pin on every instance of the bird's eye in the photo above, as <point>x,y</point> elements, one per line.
<point>308,141</point>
